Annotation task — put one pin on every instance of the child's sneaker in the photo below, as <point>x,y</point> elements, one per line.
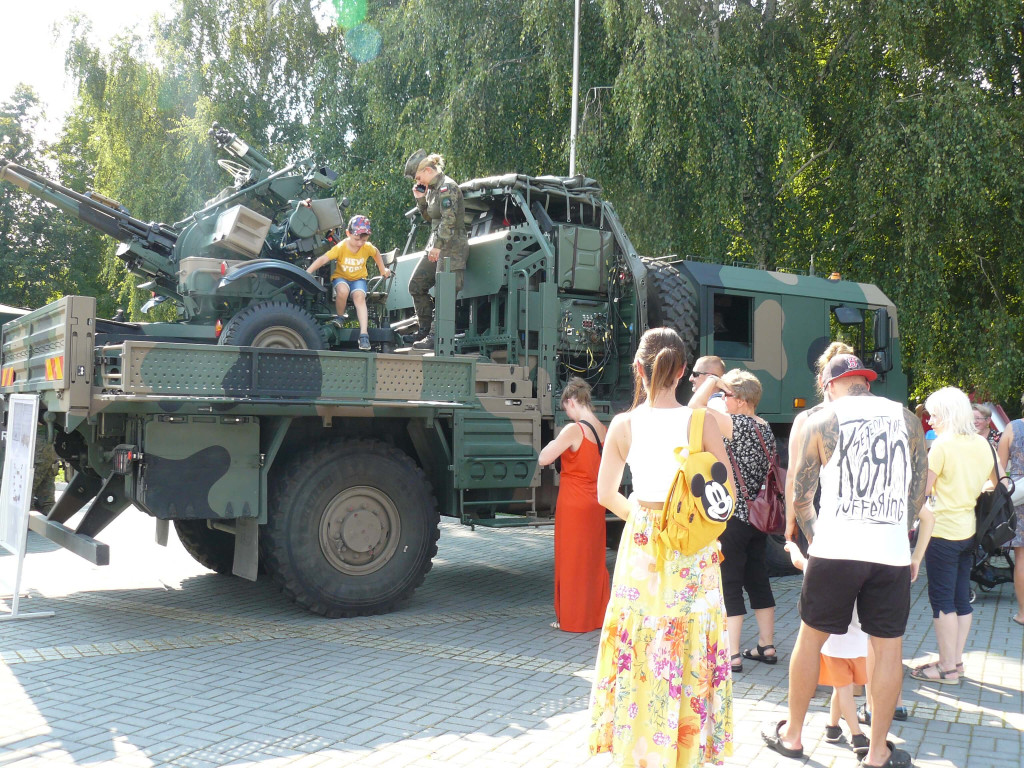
<point>860,743</point>
<point>900,713</point>
<point>833,733</point>
<point>364,342</point>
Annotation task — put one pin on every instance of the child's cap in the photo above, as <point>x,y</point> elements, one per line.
<point>359,225</point>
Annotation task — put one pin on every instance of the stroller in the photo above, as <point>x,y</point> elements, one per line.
<point>991,570</point>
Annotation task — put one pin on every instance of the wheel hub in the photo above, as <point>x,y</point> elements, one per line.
<point>359,530</point>
<point>279,337</point>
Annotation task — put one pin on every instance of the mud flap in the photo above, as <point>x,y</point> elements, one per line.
<point>247,554</point>
<point>162,531</point>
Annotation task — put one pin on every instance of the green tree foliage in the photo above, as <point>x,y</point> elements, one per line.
<point>42,256</point>
<point>879,139</point>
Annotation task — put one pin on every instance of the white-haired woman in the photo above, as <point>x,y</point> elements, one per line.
<point>960,462</point>
<point>983,423</point>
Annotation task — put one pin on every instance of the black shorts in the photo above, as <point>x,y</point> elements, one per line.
<point>832,587</point>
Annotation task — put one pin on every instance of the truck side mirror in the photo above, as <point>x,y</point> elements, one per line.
<point>882,358</point>
<point>881,328</point>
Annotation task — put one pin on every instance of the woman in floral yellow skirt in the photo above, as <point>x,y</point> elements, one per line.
<point>662,697</point>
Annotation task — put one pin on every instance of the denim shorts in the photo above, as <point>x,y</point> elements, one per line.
<point>949,575</point>
<point>353,285</point>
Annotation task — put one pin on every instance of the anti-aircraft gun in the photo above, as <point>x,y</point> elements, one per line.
<point>233,269</point>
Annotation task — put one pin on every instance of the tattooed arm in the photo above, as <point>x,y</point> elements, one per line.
<point>918,461</point>
<point>817,440</point>
<point>921,481</point>
<point>795,434</point>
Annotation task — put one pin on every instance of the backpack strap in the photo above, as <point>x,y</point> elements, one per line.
<point>600,445</point>
<point>697,430</point>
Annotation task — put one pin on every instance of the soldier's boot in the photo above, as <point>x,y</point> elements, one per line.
<point>422,333</point>
<point>427,342</point>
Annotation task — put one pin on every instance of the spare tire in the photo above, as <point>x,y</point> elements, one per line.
<point>274,324</point>
<point>672,303</point>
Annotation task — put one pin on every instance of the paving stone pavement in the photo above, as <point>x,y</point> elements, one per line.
<point>154,661</point>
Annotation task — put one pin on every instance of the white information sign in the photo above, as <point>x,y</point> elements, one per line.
<point>16,488</point>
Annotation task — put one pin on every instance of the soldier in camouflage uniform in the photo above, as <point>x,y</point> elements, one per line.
<point>45,473</point>
<point>440,202</point>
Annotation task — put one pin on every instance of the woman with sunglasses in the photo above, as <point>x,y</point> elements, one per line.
<point>749,442</point>
<point>350,273</point>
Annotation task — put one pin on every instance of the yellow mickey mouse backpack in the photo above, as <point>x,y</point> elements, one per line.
<point>700,500</point>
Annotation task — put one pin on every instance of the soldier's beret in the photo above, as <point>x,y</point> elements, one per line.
<point>412,164</point>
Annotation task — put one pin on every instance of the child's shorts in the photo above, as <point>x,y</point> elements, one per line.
<point>353,285</point>
<point>839,672</point>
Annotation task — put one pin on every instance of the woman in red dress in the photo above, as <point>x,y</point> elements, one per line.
<point>581,576</point>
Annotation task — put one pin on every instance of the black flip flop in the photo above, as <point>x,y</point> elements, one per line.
<point>774,742</point>
<point>733,665</point>
<point>897,758</point>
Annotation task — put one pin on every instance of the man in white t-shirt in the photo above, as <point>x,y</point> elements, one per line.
<point>868,454</point>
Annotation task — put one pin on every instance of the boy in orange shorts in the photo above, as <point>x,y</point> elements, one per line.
<point>843,664</point>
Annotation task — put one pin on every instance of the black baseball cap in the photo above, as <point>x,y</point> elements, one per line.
<point>846,365</point>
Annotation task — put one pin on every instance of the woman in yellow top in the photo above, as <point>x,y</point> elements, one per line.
<point>349,275</point>
<point>960,462</point>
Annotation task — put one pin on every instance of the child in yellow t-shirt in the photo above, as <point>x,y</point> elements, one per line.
<point>349,275</point>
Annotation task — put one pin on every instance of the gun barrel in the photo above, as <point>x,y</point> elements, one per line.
<point>109,220</point>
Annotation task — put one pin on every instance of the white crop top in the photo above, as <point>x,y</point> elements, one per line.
<point>656,433</point>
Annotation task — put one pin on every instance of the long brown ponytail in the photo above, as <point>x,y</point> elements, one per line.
<point>663,356</point>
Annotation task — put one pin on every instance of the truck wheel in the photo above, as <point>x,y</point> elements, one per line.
<point>274,324</point>
<point>352,530</point>
<point>672,302</point>
<point>210,548</point>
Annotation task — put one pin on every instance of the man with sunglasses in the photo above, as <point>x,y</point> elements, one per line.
<point>349,274</point>
<point>708,367</point>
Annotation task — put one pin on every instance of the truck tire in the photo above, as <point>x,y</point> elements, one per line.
<point>671,302</point>
<point>274,324</point>
<point>352,528</point>
<point>210,548</point>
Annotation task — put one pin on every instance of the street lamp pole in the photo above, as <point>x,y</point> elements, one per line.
<point>575,89</point>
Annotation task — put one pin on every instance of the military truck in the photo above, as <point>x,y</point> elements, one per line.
<point>329,469</point>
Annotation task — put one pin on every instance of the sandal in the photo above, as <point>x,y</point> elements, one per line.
<point>942,676</point>
<point>900,713</point>
<point>897,758</point>
<point>774,742</point>
<point>732,662</point>
<point>760,655</point>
